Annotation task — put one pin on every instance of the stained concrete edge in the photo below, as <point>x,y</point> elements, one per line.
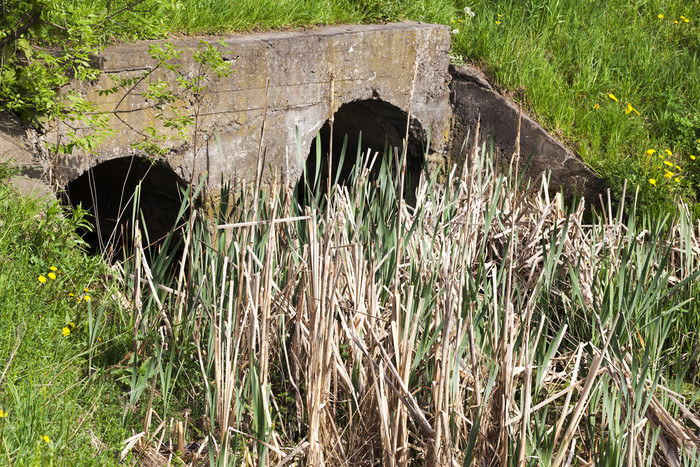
<point>17,150</point>
<point>473,100</point>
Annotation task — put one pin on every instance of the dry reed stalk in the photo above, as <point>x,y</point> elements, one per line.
<point>578,410</point>
<point>331,121</point>
<point>315,371</point>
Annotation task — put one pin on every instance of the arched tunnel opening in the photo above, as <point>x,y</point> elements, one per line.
<point>382,127</point>
<point>107,191</point>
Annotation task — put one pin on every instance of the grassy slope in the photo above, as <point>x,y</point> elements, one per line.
<point>43,388</point>
<point>567,57</point>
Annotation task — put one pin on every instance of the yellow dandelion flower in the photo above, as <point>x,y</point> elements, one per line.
<point>52,276</point>
<point>41,279</point>
<point>650,152</point>
<point>87,298</point>
<point>692,157</point>
<point>652,181</point>
<point>668,174</point>
<point>667,152</point>
<point>686,20</point>
<point>596,107</point>
<point>54,268</point>
<point>71,326</point>
<point>661,16</point>
<point>460,20</point>
<point>85,290</point>
<point>3,414</point>
<point>65,331</point>
<point>678,167</point>
<point>670,164</point>
<point>70,294</point>
<point>612,96</point>
<point>453,21</point>
<point>630,109</point>
<point>499,15</point>
<point>45,439</point>
<point>676,22</point>
<point>677,180</point>
<point>498,22</point>
<point>99,339</point>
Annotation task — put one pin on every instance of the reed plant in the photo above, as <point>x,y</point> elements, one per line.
<point>487,323</point>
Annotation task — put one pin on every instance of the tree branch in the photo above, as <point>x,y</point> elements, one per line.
<point>128,7</point>
<point>29,19</point>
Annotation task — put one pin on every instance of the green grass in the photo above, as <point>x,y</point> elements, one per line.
<point>45,389</point>
<point>563,59</point>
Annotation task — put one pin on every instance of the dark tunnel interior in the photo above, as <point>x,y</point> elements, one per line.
<point>107,192</point>
<point>381,126</point>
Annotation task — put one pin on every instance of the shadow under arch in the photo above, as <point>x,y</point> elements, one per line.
<point>382,126</point>
<point>107,192</point>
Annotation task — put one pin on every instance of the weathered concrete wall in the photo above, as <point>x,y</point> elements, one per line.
<point>473,100</point>
<point>16,146</point>
<point>372,70</point>
<point>367,62</point>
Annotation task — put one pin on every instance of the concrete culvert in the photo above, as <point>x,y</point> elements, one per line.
<point>382,125</point>
<point>107,192</point>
